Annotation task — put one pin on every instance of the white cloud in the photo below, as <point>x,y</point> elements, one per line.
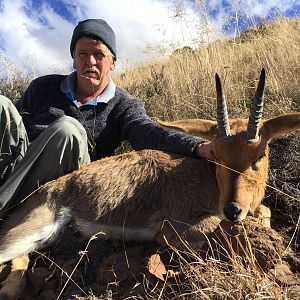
<point>40,39</point>
<point>262,8</point>
<point>251,8</point>
<point>30,43</point>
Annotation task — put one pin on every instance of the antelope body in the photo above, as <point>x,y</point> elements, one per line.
<point>152,195</point>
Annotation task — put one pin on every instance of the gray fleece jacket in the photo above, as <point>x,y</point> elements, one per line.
<point>123,117</point>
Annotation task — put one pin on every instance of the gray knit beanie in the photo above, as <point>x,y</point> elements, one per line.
<point>97,29</point>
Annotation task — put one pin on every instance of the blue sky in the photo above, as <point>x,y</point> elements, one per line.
<point>35,34</point>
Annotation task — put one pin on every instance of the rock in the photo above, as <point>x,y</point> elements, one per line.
<point>131,272</point>
<point>249,240</point>
<point>47,295</point>
<point>49,290</point>
<point>36,279</point>
<point>121,266</point>
<point>155,266</point>
<point>4,271</point>
<point>284,276</point>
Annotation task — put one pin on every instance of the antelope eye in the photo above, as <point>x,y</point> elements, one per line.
<point>256,163</point>
<point>260,158</point>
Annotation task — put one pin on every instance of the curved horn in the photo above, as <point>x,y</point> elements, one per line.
<point>222,114</point>
<point>256,110</point>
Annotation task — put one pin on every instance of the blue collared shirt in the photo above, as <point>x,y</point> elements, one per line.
<point>67,86</point>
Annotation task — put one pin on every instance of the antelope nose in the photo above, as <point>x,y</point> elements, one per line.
<point>232,211</point>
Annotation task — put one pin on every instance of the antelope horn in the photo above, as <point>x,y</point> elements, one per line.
<point>256,110</point>
<point>222,114</point>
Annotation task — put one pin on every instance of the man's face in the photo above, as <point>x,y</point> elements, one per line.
<point>93,62</point>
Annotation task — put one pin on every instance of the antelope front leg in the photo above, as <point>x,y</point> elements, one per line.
<point>15,282</point>
<point>263,214</point>
<point>195,236</point>
<point>183,236</point>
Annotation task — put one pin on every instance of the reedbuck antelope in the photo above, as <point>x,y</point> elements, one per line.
<point>152,195</point>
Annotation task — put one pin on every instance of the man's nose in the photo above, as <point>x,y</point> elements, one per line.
<point>91,60</point>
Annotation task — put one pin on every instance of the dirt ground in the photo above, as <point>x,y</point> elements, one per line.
<point>113,270</point>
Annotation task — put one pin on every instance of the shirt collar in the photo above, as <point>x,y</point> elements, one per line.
<point>67,86</point>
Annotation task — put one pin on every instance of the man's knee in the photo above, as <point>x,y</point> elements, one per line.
<point>68,127</point>
<point>4,101</point>
<point>7,105</point>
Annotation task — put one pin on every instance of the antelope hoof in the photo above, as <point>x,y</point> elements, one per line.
<point>263,214</point>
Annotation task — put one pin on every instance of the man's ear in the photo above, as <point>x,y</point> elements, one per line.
<point>74,67</point>
<point>113,64</point>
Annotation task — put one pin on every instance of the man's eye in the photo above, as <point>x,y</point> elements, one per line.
<point>100,55</point>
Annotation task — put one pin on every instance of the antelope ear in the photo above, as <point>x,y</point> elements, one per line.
<point>195,127</point>
<point>280,125</point>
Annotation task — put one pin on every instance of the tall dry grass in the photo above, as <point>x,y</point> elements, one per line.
<point>183,85</point>
<point>13,79</point>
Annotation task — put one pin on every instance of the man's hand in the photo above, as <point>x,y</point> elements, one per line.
<point>204,150</point>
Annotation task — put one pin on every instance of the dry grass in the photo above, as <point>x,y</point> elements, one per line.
<point>13,80</point>
<point>233,267</point>
<point>183,85</point>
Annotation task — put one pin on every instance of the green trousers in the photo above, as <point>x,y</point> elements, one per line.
<point>59,149</point>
